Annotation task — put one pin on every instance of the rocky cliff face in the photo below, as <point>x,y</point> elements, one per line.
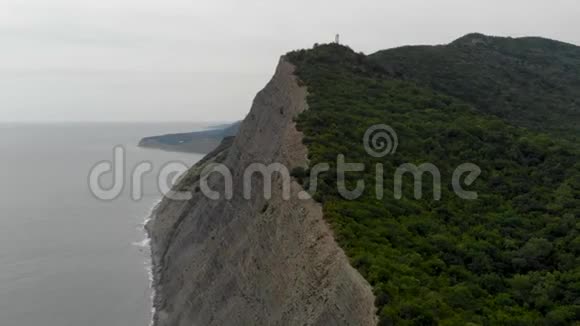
<point>256,261</point>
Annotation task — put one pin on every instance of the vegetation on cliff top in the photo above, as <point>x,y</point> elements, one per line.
<point>508,258</point>
<point>531,82</point>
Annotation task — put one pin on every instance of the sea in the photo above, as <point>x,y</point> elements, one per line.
<point>67,256</point>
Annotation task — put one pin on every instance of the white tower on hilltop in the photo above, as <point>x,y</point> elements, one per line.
<point>337,39</point>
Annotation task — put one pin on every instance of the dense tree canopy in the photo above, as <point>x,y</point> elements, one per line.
<point>510,257</point>
<point>531,82</point>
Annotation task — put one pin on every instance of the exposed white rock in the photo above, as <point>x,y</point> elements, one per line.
<point>255,262</point>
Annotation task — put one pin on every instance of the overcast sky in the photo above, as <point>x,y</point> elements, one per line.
<point>178,60</point>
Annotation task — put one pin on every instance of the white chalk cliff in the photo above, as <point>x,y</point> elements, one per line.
<point>254,262</point>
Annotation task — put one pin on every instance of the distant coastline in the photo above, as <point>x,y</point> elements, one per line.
<point>201,142</point>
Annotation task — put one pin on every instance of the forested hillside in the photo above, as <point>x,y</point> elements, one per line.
<point>510,257</point>
<point>532,82</point>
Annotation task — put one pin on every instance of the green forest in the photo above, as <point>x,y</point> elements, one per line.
<point>510,257</point>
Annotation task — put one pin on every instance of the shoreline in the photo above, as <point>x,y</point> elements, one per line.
<point>153,265</point>
<point>150,264</point>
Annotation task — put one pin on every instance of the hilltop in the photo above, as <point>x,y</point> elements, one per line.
<point>531,82</point>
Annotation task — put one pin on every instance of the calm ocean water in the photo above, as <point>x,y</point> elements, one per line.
<point>67,258</point>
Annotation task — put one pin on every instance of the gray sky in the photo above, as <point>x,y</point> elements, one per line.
<point>178,60</point>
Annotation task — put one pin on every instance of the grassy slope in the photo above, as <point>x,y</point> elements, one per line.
<point>510,257</point>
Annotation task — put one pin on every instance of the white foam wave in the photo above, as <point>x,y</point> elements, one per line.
<point>146,243</point>
<point>143,243</point>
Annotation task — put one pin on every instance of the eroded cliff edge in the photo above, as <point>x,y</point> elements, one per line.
<point>257,261</point>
